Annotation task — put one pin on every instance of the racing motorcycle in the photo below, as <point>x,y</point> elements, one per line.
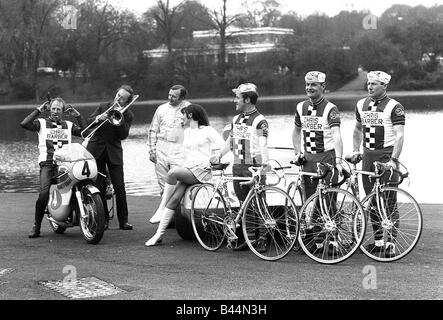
<point>73,199</point>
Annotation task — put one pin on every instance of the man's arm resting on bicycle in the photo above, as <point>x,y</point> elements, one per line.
<point>296,142</point>
<point>357,136</point>
<point>338,146</point>
<point>399,131</point>
<point>263,145</point>
<point>226,148</point>
<point>296,139</point>
<point>338,142</point>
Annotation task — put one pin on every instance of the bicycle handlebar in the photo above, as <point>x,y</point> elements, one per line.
<point>385,169</point>
<point>346,176</point>
<point>299,162</point>
<point>354,159</point>
<point>325,173</point>
<point>256,173</point>
<point>329,168</point>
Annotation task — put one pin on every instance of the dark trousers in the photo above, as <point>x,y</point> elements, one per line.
<point>310,187</point>
<point>241,170</point>
<point>311,166</point>
<point>383,155</point>
<point>48,170</point>
<point>118,182</point>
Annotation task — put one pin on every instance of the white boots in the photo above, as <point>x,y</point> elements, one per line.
<point>167,193</point>
<point>166,218</point>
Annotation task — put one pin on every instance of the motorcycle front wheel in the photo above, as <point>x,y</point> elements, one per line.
<point>93,224</point>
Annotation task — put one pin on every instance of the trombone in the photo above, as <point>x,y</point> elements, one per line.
<point>114,117</point>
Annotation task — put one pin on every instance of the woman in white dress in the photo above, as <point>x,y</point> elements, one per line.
<point>199,137</point>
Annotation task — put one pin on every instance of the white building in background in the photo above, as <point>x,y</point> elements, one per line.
<point>241,44</point>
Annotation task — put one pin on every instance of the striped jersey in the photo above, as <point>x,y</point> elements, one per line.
<point>246,128</point>
<point>52,136</point>
<point>316,122</point>
<point>378,118</point>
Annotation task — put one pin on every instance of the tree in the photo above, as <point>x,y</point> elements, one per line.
<point>261,13</point>
<point>193,16</point>
<point>167,20</point>
<point>374,52</point>
<point>29,26</point>
<point>221,21</point>
<point>100,27</point>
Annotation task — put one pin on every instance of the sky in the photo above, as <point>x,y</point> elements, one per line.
<point>303,8</point>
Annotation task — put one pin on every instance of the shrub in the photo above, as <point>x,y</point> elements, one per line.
<point>23,88</point>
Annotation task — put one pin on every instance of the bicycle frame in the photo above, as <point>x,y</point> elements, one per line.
<point>377,188</point>
<point>221,186</point>
<point>321,187</point>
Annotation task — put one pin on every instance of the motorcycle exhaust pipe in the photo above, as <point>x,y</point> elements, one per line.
<point>61,224</point>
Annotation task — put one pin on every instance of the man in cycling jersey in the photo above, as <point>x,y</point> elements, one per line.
<point>379,124</point>
<point>317,124</point>
<point>248,138</point>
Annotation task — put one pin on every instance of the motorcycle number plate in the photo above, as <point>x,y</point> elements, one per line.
<point>85,169</point>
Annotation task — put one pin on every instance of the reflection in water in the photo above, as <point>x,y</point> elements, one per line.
<point>19,169</point>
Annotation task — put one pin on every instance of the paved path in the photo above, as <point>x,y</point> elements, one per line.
<point>356,84</point>
<point>183,270</point>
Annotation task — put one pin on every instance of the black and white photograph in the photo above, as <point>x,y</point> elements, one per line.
<point>221,155</point>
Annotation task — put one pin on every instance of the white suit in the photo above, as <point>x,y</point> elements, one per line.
<point>166,139</point>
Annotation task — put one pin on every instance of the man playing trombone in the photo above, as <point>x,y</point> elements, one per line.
<point>105,145</point>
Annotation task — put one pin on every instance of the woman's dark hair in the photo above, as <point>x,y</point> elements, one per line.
<point>198,114</point>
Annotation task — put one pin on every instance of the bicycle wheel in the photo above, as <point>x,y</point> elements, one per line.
<point>402,228</point>
<point>331,231</point>
<point>270,223</point>
<point>208,211</point>
<point>296,194</point>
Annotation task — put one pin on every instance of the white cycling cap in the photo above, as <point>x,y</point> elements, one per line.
<point>379,76</point>
<point>315,76</point>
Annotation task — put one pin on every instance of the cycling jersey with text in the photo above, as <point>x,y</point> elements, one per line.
<point>52,136</point>
<point>378,118</point>
<point>316,122</point>
<point>246,128</point>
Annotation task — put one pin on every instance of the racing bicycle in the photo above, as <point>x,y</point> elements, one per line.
<point>394,217</point>
<point>268,216</point>
<point>332,220</point>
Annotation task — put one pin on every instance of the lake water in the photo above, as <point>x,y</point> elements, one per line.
<point>422,152</point>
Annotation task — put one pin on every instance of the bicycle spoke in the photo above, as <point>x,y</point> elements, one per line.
<point>402,226</point>
<point>270,223</point>
<point>336,228</point>
<point>207,215</point>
